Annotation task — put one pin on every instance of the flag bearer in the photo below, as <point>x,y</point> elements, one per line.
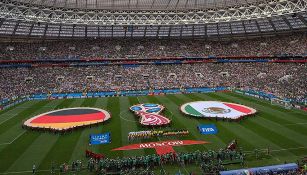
<point>33,169</point>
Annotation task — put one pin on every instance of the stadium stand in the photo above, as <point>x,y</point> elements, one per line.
<point>259,76</point>
<point>293,45</point>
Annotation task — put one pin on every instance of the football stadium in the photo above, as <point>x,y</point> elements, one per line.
<point>153,87</point>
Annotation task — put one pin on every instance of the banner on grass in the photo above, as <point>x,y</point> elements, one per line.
<point>207,129</point>
<point>161,147</point>
<point>216,109</point>
<point>104,138</point>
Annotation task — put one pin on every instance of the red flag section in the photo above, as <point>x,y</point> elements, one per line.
<point>69,118</point>
<point>239,108</point>
<point>165,150</point>
<point>162,147</point>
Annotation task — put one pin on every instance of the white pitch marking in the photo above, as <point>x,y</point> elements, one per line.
<point>138,99</point>
<point>19,172</point>
<point>295,124</point>
<point>8,143</point>
<point>278,150</point>
<point>120,115</point>
<point>22,132</point>
<point>8,119</point>
<point>49,106</point>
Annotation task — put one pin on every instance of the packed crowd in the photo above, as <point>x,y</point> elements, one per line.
<point>150,48</point>
<point>140,135</point>
<point>284,80</point>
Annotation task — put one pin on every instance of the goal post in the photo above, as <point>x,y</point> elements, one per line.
<point>283,103</point>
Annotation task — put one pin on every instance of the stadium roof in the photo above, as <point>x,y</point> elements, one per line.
<point>141,4</point>
<point>142,18</point>
<point>256,27</point>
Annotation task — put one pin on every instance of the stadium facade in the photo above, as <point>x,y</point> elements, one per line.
<point>150,18</point>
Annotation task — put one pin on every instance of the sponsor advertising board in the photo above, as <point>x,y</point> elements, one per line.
<point>207,129</point>
<point>104,138</point>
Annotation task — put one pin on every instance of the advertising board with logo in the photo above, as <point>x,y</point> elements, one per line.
<point>104,138</point>
<point>207,129</point>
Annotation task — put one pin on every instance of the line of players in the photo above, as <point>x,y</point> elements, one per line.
<point>139,135</point>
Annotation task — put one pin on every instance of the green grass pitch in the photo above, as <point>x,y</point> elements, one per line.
<point>284,131</point>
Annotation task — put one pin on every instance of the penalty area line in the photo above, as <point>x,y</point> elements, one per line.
<point>21,172</point>
<point>8,119</point>
<point>8,143</point>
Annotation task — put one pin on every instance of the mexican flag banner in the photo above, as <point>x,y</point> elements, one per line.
<point>216,109</point>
